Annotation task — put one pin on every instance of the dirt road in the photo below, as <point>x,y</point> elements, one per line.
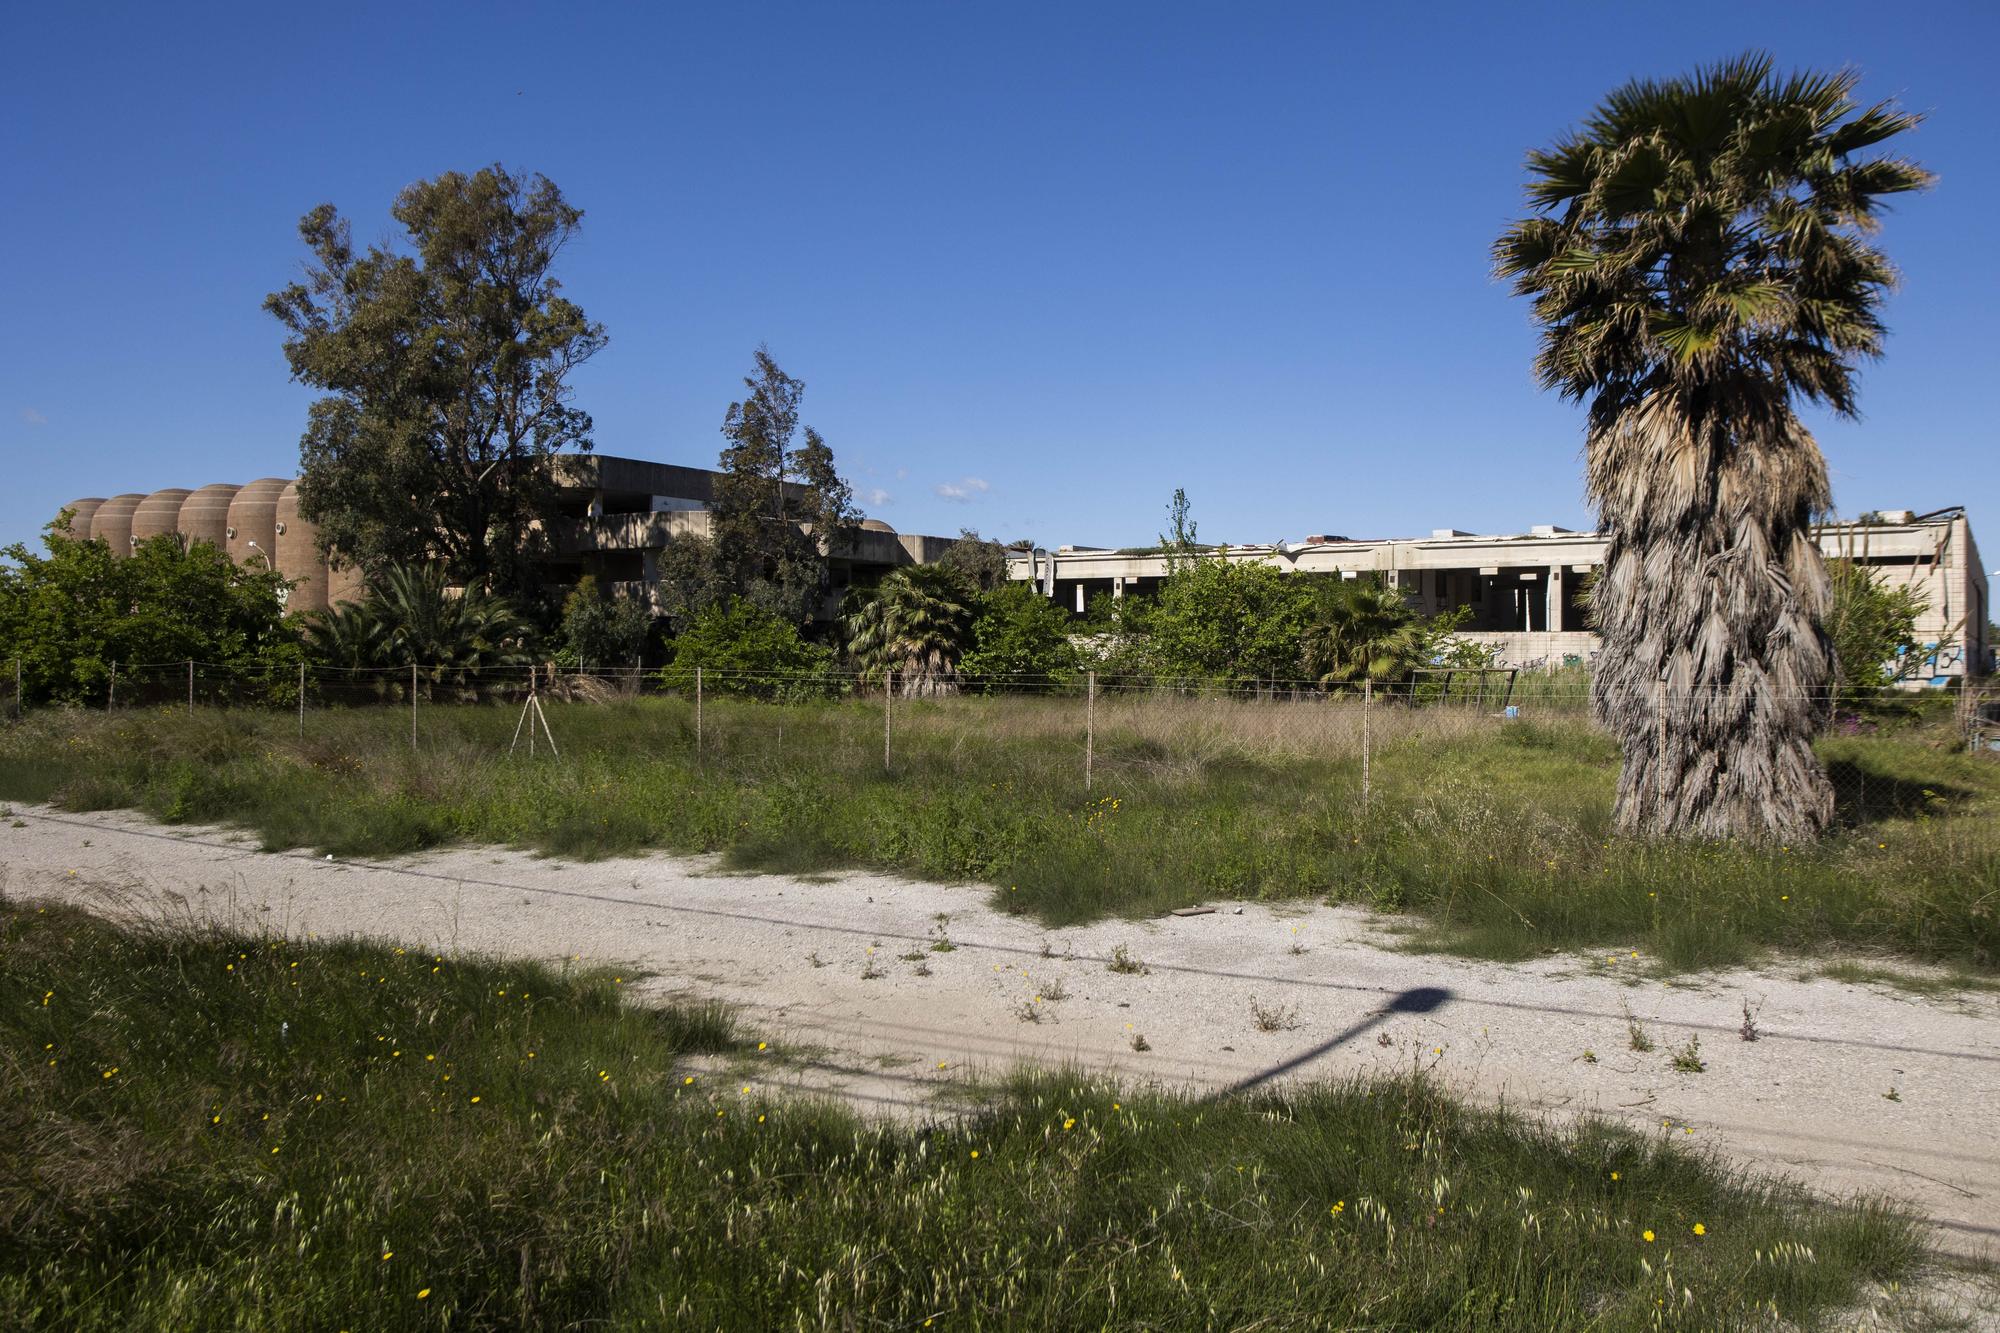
<point>852,969</point>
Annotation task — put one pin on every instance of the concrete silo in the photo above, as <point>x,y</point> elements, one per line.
<point>80,512</point>
<point>158,513</point>
<point>112,522</point>
<point>298,554</point>
<point>205,515</point>
<point>253,522</point>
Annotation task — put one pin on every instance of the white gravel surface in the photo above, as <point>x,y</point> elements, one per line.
<point>1809,1097</point>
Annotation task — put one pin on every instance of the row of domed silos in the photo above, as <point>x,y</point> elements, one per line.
<point>257,523</point>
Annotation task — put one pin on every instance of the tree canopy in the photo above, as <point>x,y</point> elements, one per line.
<point>446,372</point>
<point>780,508</point>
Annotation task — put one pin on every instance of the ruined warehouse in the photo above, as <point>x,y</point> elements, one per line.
<point>1523,590</point>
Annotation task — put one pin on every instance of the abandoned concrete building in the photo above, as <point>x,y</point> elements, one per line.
<point>1523,590</point>
<point>617,516</point>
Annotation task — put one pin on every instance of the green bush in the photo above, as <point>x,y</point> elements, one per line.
<point>1020,633</point>
<point>71,614</point>
<point>746,650</point>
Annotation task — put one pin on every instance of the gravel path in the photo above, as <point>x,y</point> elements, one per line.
<point>1809,1096</point>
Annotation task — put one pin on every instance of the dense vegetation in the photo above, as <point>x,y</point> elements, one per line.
<point>205,1131</point>
<point>1497,836</point>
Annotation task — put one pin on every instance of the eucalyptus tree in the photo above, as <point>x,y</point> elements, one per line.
<point>1700,260</point>
<point>445,369</point>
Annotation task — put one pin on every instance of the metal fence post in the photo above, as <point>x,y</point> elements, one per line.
<point>888,696</point>
<point>302,699</point>
<point>1367,706</point>
<point>190,685</point>
<point>20,699</point>
<point>1090,733</point>
<point>413,707</point>
<point>111,699</point>
<point>697,715</point>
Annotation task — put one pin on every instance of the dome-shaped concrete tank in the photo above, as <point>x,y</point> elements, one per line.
<point>158,513</point>
<point>253,517</point>
<point>298,554</point>
<point>112,523</point>
<point>205,515</point>
<point>80,512</point>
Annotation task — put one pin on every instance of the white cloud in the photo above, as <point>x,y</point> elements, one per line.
<point>962,490</point>
<point>33,418</point>
<point>877,497</point>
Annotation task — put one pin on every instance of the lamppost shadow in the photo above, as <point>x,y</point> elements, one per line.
<point>1416,1000</point>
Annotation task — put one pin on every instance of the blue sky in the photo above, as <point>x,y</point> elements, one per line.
<point>1038,265</point>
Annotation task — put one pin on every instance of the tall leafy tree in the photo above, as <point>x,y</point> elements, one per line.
<point>780,509</point>
<point>1699,261</point>
<point>446,371</point>
<point>982,560</point>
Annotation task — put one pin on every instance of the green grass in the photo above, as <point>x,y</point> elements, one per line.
<point>1496,836</point>
<point>199,1131</point>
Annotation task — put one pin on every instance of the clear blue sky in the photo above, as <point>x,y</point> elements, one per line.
<point>1059,259</point>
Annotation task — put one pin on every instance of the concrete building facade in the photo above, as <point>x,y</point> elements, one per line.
<point>1522,590</point>
<point>616,516</point>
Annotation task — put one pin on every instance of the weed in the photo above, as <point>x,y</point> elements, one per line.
<point>1749,1029</point>
<point>1892,1096</point>
<point>923,967</point>
<point>1055,990</point>
<point>870,971</point>
<point>154,1192</point>
<point>915,955</point>
<point>815,959</point>
<point>1384,1039</point>
<point>1028,1011</point>
<point>1687,1060</point>
<point>1499,842</point>
<point>1590,1057</point>
<point>941,943</point>
<point>1273,1018</point>
<point>1123,962</point>
<point>1139,1042</point>
<point>1048,950</point>
<point>1635,1036</point>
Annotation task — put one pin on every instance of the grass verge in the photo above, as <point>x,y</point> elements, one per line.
<point>206,1131</point>
<point>1497,836</point>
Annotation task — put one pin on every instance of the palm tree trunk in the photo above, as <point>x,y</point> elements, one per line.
<point>1715,672</point>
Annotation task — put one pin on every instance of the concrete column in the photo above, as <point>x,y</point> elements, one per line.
<point>1118,587</point>
<point>1079,596</point>
<point>1555,606</point>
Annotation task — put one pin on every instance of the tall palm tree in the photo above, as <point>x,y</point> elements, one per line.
<point>916,624</point>
<point>1699,261</point>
